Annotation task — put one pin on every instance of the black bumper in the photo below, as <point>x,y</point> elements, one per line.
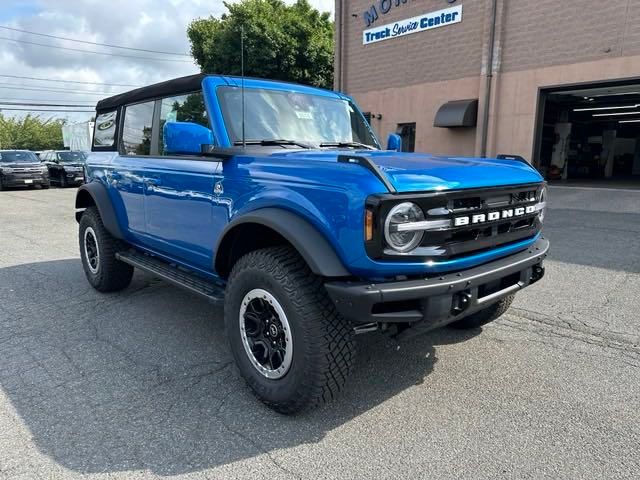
<point>10,180</point>
<point>442,299</point>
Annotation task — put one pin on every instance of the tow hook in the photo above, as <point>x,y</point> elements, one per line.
<point>460,302</point>
<point>537,273</point>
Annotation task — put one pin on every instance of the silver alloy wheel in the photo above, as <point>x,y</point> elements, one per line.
<point>266,334</point>
<point>91,250</point>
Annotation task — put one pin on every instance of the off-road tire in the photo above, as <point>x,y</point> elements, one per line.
<point>323,341</point>
<point>488,315</point>
<point>111,274</point>
<point>45,186</point>
<point>2,187</point>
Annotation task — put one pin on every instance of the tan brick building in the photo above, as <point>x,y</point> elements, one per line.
<point>563,88</point>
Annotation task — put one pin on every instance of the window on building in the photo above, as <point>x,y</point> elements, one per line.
<point>105,129</point>
<point>183,108</point>
<point>407,132</point>
<point>136,131</point>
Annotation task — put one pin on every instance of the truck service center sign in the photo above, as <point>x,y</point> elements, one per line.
<point>428,21</point>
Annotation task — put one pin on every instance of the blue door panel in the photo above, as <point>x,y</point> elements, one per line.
<point>126,179</point>
<point>178,208</point>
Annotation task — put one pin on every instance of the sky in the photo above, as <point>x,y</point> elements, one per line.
<point>145,24</point>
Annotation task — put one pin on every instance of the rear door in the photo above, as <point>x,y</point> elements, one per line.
<point>127,173</point>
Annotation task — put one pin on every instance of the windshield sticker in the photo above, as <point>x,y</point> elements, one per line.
<point>304,115</point>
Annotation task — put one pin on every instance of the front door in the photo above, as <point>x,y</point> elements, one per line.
<point>179,189</point>
<point>178,208</point>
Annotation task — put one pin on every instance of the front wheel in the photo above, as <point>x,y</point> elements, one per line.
<point>98,250</point>
<point>290,344</point>
<point>488,315</point>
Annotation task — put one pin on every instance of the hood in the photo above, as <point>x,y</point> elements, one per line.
<point>19,164</point>
<point>416,172</point>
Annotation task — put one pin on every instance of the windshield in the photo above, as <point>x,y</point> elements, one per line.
<point>278,115</point>
<point>75,157</point>
<point>24,157</point>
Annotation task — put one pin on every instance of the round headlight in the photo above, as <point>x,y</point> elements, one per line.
<point>543,202</point>
<point>397,238</point>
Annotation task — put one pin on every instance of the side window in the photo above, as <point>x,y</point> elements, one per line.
<point>183,108</point>
<point>105,130</point>
<point>136,131</point>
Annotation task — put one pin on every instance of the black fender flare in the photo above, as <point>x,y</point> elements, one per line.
<point>312,246</point>
<point>95,193</point>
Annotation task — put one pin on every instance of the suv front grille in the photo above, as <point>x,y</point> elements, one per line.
<point>471,213</point>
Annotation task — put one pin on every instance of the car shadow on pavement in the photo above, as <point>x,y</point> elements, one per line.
<point>143,379</point>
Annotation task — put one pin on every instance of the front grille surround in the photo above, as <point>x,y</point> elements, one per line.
<point>455,242</point>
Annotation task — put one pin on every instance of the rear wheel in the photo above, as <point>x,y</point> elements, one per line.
<point>98,253</point>
<point>291,346</point>
<point>488,315</point>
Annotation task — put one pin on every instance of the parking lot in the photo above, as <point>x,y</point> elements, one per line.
<point>140,383</point>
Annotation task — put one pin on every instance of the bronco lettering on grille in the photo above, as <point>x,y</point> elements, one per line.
<point>494,216</point>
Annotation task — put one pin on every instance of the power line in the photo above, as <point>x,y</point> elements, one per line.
<point>2,109</point>
<point>95,43</point>
<point>95,53</point>
<point>72,81</point>
<point>13,86</point>
<point>79,103</point>
<point>24,104</point>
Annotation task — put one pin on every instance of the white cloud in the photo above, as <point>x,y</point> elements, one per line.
<point>148,24</point>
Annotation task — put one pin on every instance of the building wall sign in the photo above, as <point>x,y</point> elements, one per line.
<point>427,21</point>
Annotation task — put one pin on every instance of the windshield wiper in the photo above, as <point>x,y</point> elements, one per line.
<point>347,145</point>
<point>271,142</point>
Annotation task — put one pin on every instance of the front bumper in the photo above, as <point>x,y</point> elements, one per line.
<point>74,178</point>
<point>442,299</point>
<point>21,180</point>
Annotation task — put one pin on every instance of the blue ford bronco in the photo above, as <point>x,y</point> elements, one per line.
<point>277,201</point>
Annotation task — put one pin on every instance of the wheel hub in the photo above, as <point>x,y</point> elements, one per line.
<point>266,334</point>
<point>91,250</point>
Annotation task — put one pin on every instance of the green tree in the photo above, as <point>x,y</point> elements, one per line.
<point>30,133</point>
<point>282,42</point>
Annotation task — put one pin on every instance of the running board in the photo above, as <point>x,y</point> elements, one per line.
<point>171,273</point>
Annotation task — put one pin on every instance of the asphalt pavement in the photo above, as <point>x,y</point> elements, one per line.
<point>140,384</point>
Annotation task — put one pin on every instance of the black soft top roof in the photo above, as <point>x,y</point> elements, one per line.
<point>163,89</point>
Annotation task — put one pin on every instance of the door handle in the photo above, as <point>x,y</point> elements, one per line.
<point>152,182</point>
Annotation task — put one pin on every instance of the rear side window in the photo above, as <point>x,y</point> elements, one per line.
<point>136,131</point>
<point>105,130</point>
<point>182,108</point>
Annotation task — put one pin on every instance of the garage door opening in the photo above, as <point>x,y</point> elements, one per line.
<point>590,134</point>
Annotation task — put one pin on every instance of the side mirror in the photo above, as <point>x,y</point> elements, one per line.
<point>394,142</point>
<point>185,138</point>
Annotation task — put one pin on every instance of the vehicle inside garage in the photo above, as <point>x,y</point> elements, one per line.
<point>592,134</point>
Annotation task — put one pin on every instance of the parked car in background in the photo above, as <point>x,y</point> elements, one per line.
<point>65,168</point>
<point>21,168</point>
